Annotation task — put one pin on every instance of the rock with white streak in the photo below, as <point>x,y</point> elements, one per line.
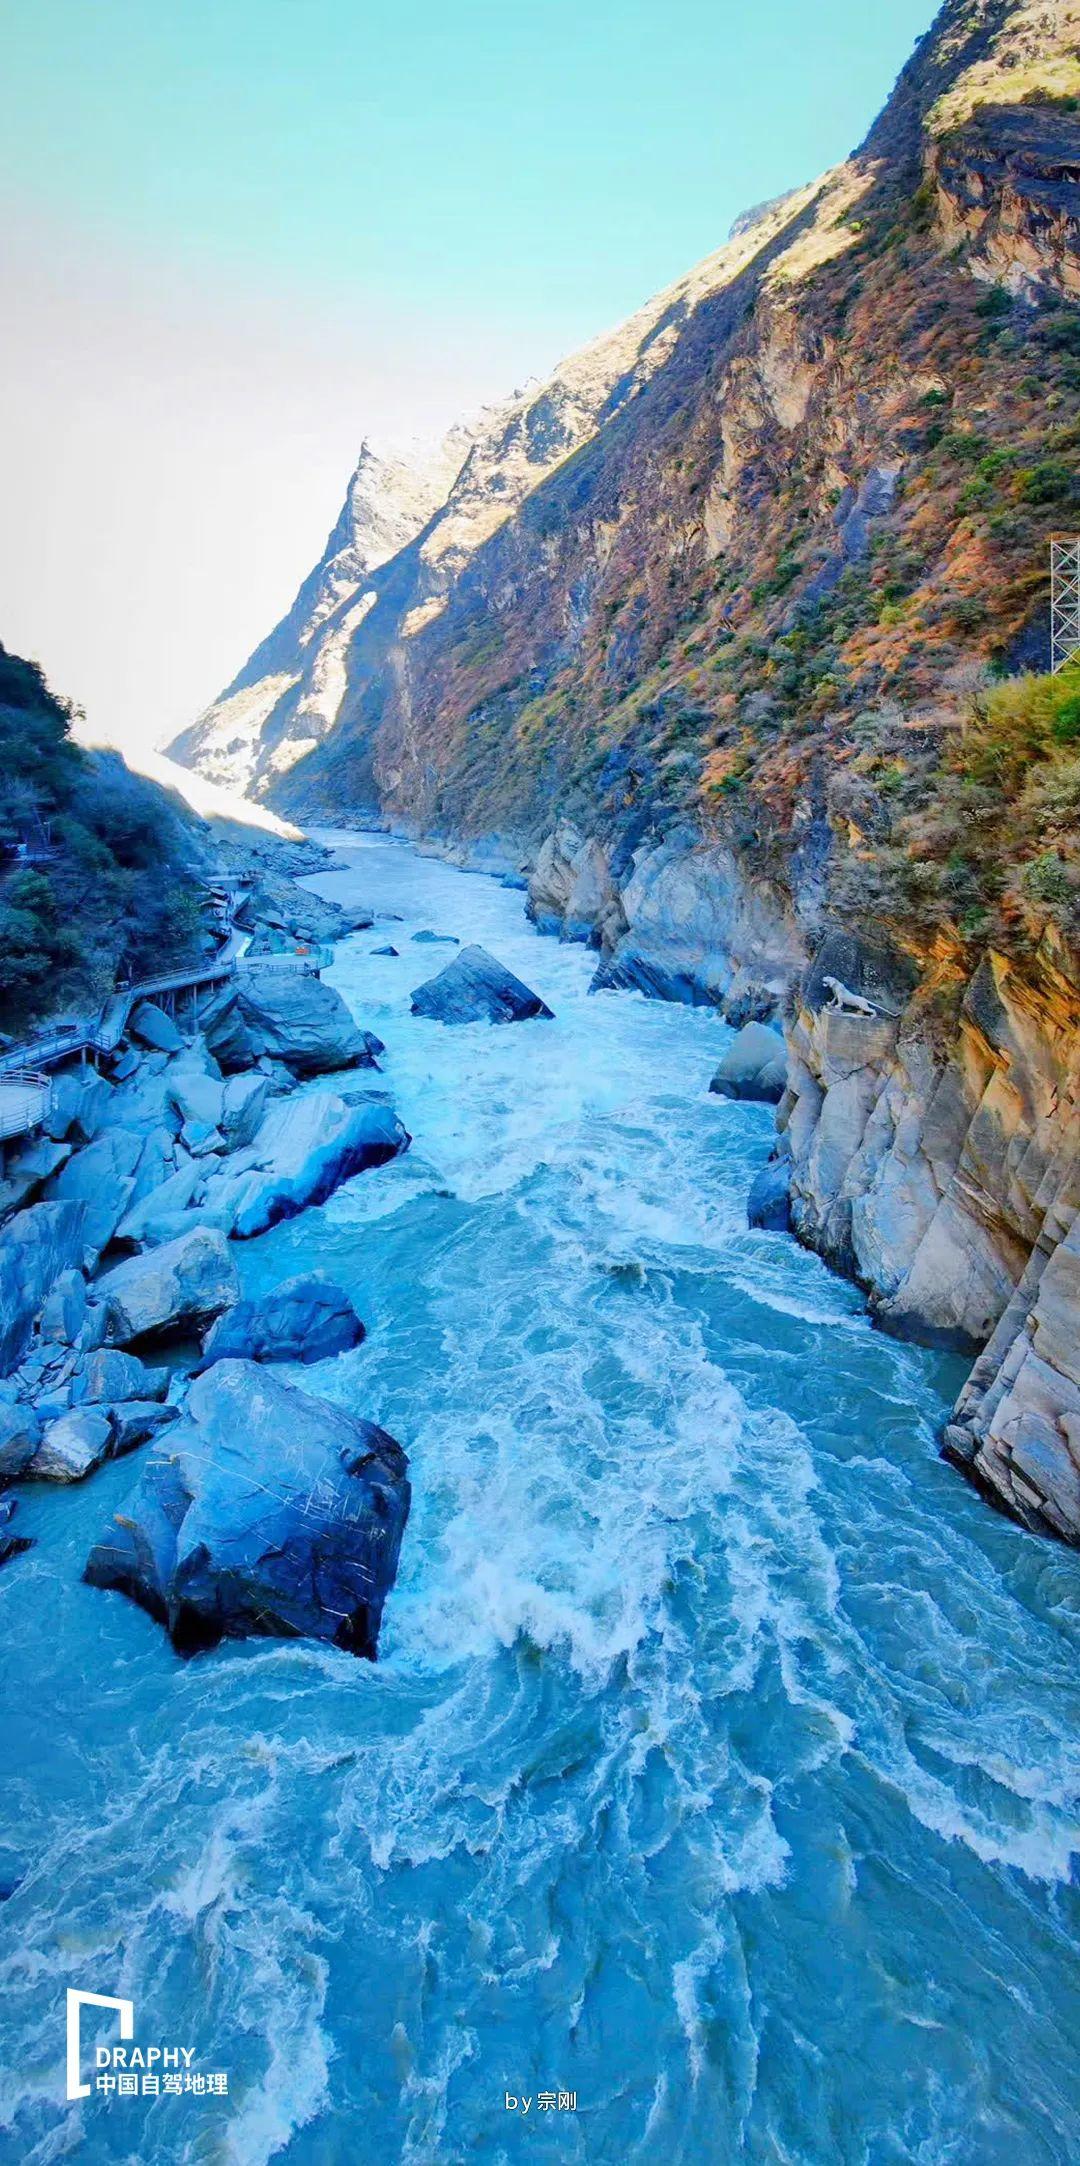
<point>72,1447</point>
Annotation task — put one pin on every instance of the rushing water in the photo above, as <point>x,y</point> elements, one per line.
<point>720,1765</point>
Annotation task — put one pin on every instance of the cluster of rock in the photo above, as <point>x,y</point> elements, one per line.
<point>260,1509</point>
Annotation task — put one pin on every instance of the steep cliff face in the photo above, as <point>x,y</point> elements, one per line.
<point>718,634</point>
<point>288,695</point>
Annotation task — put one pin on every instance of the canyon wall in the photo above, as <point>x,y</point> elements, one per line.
<point>932,1141</point>
<point>729,636</point>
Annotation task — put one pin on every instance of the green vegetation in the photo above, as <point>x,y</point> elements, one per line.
<point>94,863</point>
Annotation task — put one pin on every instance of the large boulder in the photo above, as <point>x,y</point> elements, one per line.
<point>136,1420</point>
<point>102,1178</point>
<point>79,1099</point>
<point>111,1374</point>
<point>194,1096</point>
<point>35,1248</point>
<point>304,1319</point>
<point>72,1447</point>
<point>264,1512</point>
<point>754,1066</point>
<point>289,1015</point>
<point>244,1103</point>
<point>63,1313</point>
<point>20,1435</point>
<point>474,988</point>
<point>152,1027</point>
<point>30,1164</point>
<point>158,1216</point>
<point>170,1292</point>
<point>305,1148</point>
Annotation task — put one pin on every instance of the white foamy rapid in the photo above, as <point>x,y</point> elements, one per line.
<point>720,1766</point>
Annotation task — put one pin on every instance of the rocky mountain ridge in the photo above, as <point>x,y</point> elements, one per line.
<point>732,652</point>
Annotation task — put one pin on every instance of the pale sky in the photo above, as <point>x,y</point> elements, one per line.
<point>237,236</point>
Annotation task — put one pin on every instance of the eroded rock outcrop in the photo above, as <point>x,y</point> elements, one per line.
<point>935,1153</point>
<point>304,1149</point>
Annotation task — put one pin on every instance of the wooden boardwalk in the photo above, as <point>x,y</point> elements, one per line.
<point>25,1087</point>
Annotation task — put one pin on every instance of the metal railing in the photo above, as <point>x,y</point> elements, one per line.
<point>26,1096</point>
<point>101,1033</point>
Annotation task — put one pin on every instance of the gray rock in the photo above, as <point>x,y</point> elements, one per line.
<point>436,940</point>
<point>152,1027</point>
<point>195,1097</point>
<point>200,1141</point>
<point>289,1016</point>
<point>158,1216</point>
<point>264,1512</point>
<point>78,1102</point>
<point>754,1067</point>
<point>304,1319</point>
<point>244,1102</point>
<point>102,1179</point>
<point>20,1435</point>
<point>35,1248</point>
<point>384,951</point>
<point>136,1420</point>
<point>29,1166</point>
<point>475,988</point>
<point>111,1374</point>
<point>72,1447</point>
<point>305,1148</point>
<point>768,1205</point>
<point>171,1291</point>
<point>11,1545</point>
<point>63,1314</point>
<point>278,903</point>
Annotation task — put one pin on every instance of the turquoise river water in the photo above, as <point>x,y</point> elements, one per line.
<point>720,1768</point>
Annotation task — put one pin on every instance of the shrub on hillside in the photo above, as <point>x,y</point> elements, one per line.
<point>94,862</point>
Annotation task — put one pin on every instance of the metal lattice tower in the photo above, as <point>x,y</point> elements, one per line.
<point>1064,599</point>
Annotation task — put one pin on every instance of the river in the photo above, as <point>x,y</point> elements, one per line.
<point>719,1771</point>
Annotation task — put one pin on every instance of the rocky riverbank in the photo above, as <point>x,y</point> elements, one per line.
<point>259,1509</point>
<point>928,1134</point>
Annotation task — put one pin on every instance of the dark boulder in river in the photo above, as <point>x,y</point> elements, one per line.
<point>304,1319</point>
<point>303,1150</point>
<point>474,988</point>
<point>768,1206</point>
<point>264,1513</point>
